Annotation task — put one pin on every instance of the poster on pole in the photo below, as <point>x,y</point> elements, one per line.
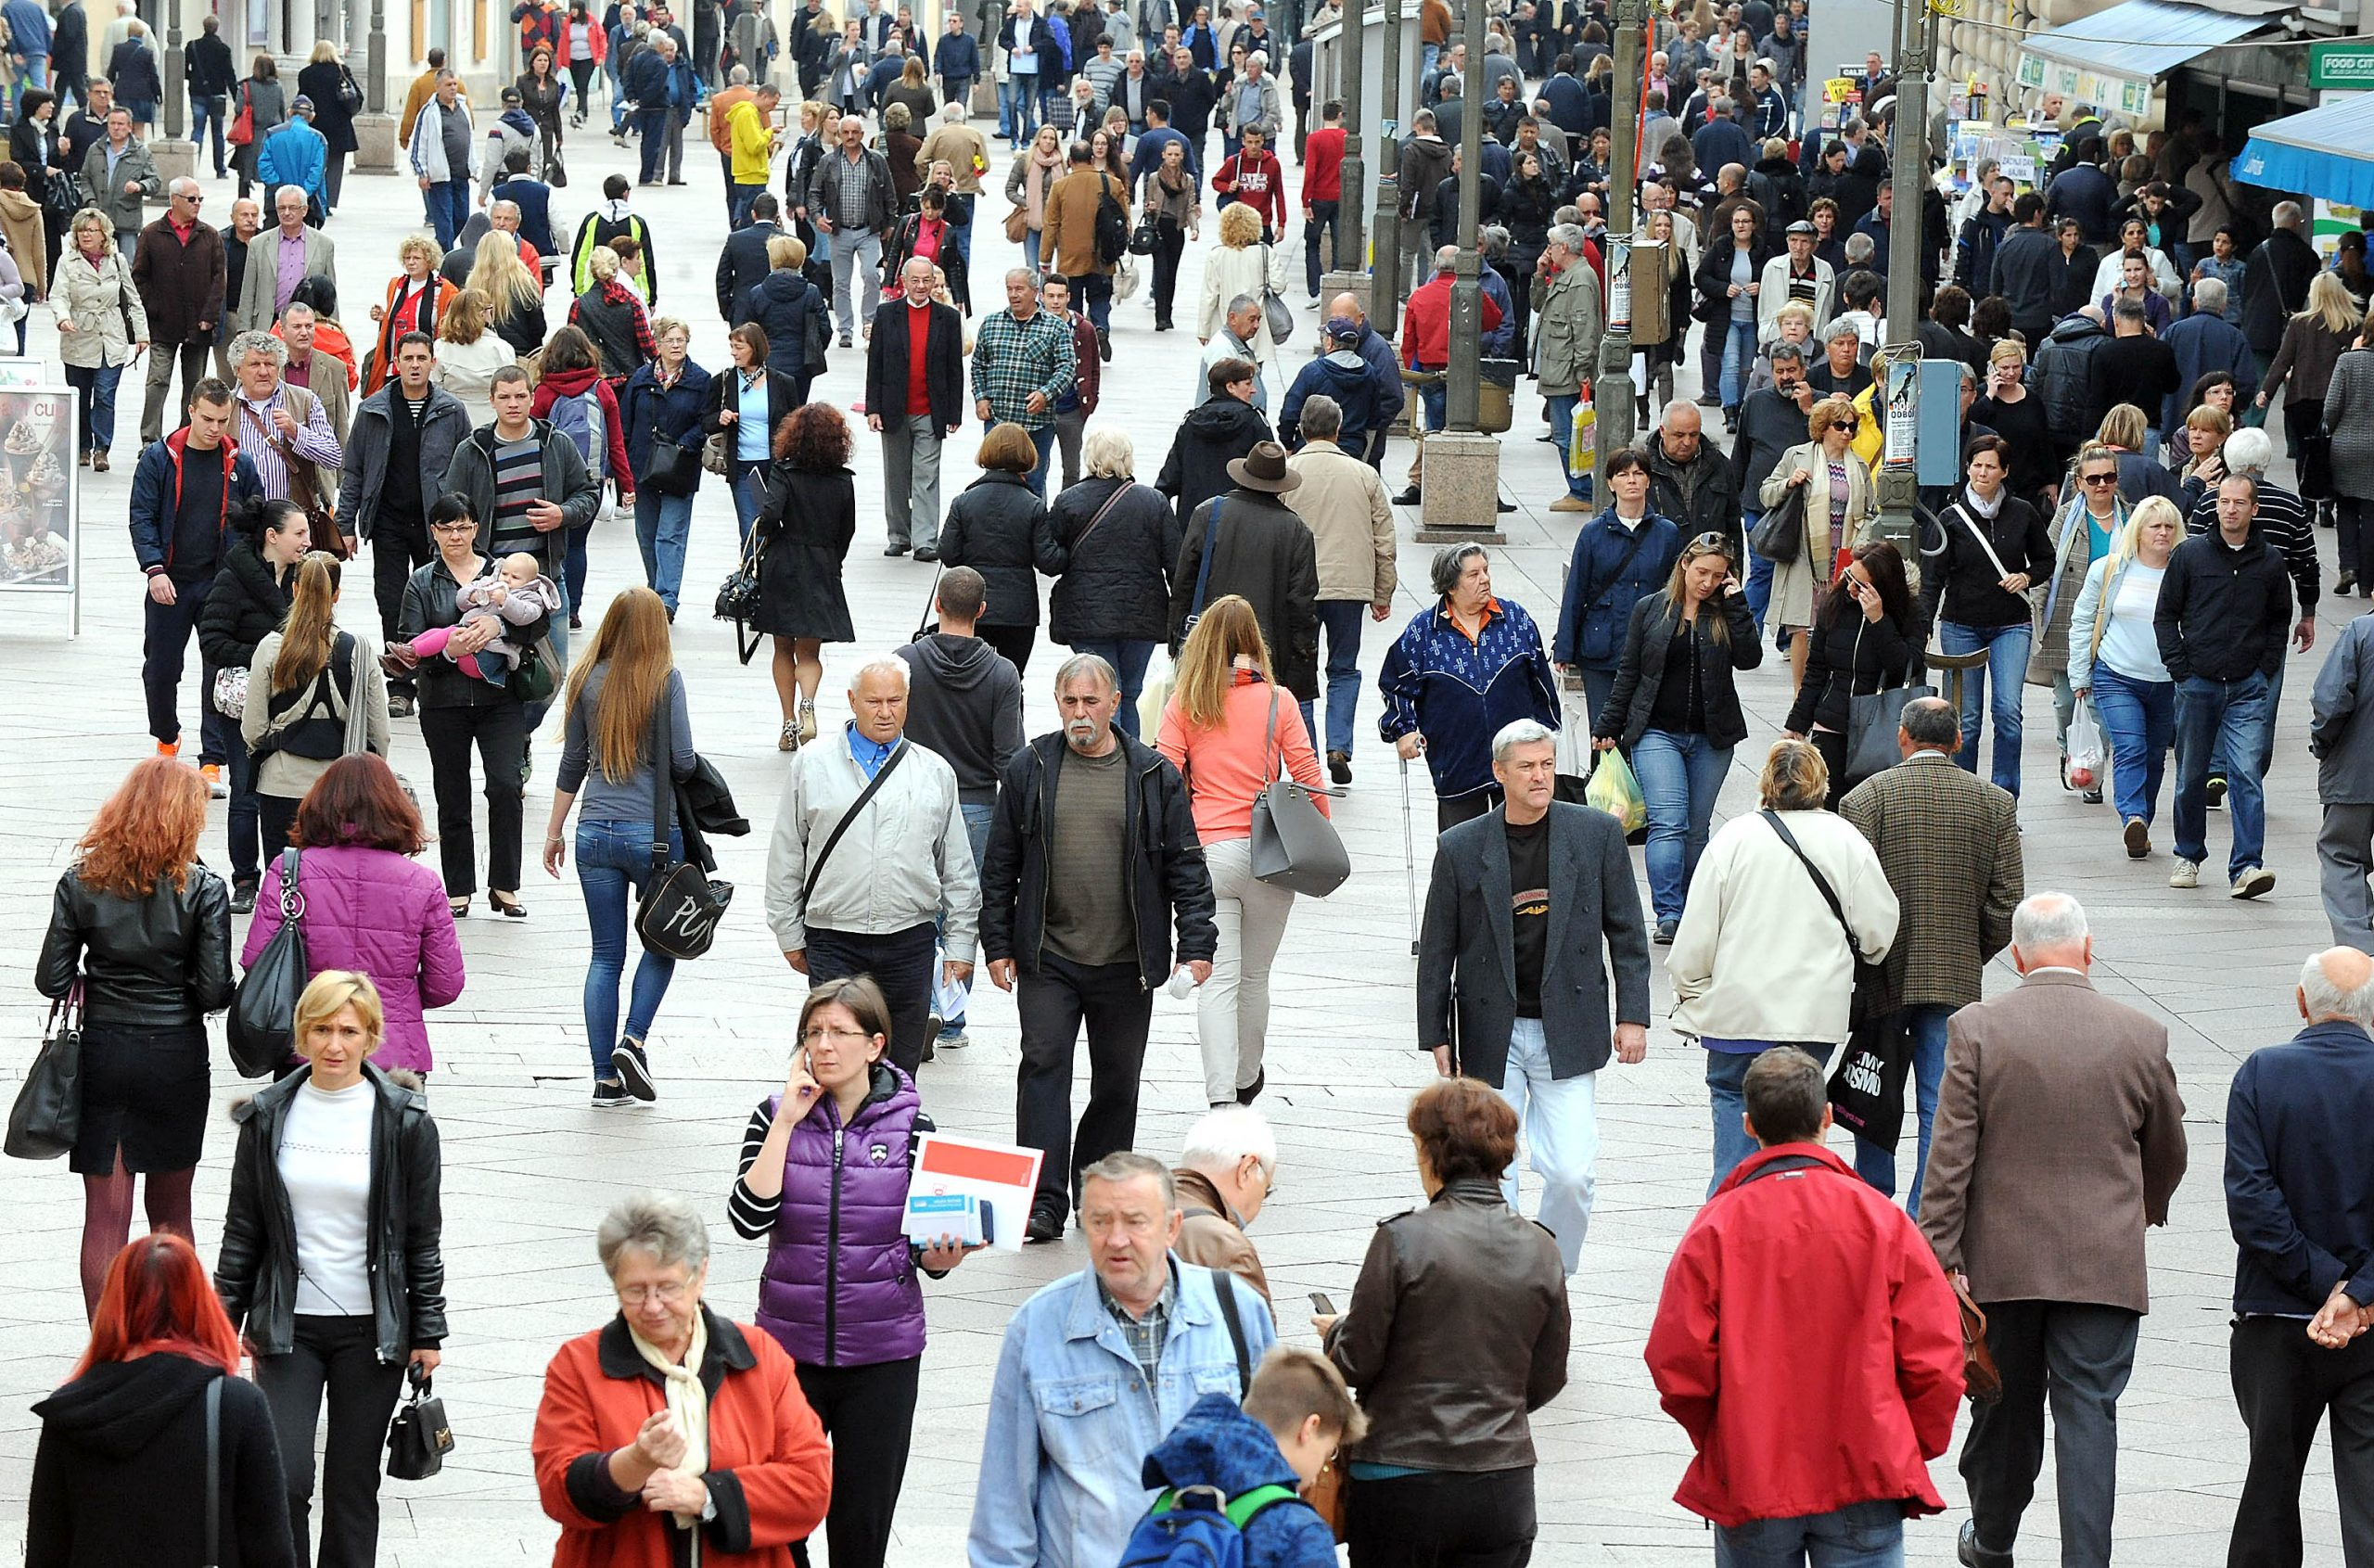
<point>39,547</point>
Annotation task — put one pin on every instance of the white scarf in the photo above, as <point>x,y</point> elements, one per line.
<point>687,1400</point>
<point>1988,511</point>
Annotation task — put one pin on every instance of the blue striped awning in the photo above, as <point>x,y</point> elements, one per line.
<point>2327,151</point>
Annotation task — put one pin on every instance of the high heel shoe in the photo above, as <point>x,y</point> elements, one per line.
<point>807,722</point>
<point>506,903</point>
<point>460,907</point>
<point>789,739</point>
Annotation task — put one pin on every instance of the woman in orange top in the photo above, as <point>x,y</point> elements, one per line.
<point>416,301</point>
<point>1225,728</point>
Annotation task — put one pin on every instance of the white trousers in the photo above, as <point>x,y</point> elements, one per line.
<point>1558,1119</point>
<point>1232,1007</point>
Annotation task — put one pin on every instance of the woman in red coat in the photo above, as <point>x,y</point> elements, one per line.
<point>672,1418</point>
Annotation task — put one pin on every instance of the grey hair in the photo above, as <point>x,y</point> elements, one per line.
<point>1221,1138</point>
<point>1260,58</point>
<point>2046,920</point>
<point>1570,236</point>
<point>2209,297</point>
<point>952,112</point>
<point>1517,732</point>
<point>496,210</point>
<point>661,1226</point>
<point>2248,451</point>
<point>297,191</point>
<point>1084,666</point>
<point>2324,1000</point>
<point>1243,302</point>
<point>293,306</point>
<point>2128,310</point>
<point>1323,417</point>
<point>1932,721</point>
<point>1784,349</point>
<point>174,186</point>
<point>739,76</point>
<point>1128,1164</point>
<point>2288,215</point>
<point>1450,564</point>
<point>1838,329</point>
<point>885,664</point>
<point>1493,240</point>
<point>1107,452</point>
<point>1446,257</point>
<point>248,343</point>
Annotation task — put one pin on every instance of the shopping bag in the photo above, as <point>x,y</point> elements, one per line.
<point>1615,791</point>
<point>1581,451</point>
<point>2086,748</point>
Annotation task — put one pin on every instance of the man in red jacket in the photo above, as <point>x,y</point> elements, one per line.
<point>1322,192</point>
<point>1808,1341</point>
<point>1426,345</point>
<point>1255,177</point>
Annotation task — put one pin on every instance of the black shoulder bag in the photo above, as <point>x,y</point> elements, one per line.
<point>682,903</point>
<point>1224,1286</point>
<point>214,1473</point>
<point>262,1027</point>
<point>1867,1089</point>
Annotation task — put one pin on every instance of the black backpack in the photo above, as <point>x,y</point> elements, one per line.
<point>1112,226</point>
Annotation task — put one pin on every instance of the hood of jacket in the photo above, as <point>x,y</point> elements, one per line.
<point>1216,1444</point>
<point>961,664</point>
<point>1222,419</point>
<point>1778,168</point>
<point>117,1408</point>
<point>570,383</point>
<point>518,120</point>
<point>17,206</point>
<point>2076,329</point>
<point>783,285</point>
<point>1345,368</point>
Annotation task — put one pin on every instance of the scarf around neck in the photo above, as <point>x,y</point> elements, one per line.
<point>687,1399</point>
<point>1970,499</point>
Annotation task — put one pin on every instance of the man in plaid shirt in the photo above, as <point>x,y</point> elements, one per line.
<point>1023,360</point>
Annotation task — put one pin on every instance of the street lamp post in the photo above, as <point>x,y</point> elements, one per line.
<point>1385,278</point>
<point>1612,391</point>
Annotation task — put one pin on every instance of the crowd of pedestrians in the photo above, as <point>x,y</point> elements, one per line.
<point>2118,535</point>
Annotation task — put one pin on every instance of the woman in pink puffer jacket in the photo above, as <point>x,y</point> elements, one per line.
<point>367,905</point>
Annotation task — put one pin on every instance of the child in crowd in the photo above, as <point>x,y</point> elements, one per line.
<point>1297,1414</point>
<point>515,594</point>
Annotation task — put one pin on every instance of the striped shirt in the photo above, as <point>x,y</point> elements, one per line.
<point>1012,359</point>
<point>753,1216</point>
<point>313,441</point>
<point>519,479</point>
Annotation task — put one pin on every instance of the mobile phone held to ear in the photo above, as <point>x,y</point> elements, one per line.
<point>1320,1305</point>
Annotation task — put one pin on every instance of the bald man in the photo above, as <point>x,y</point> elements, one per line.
<point>1385,373</point>
<point>2300,1197</point>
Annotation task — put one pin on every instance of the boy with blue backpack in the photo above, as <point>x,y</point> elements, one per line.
<point>1231,1477</point>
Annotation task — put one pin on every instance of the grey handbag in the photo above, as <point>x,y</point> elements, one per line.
<point>1872,719</point>
<point>1294,844</point>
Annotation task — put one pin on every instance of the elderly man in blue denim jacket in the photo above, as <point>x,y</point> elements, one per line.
<point>1096,1369</point>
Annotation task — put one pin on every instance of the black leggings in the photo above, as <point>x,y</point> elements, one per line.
<point>869,1413</point>
<point>2354,520</point>
<point>1169,243</point>
<point>581,77</point>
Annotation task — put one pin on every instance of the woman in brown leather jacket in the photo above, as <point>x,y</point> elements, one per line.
<point>145,932</point>
<point>1445,1471</point>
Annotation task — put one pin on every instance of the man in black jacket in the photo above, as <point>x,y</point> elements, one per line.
<point>212,80</point>
<point>1262,553</point>
<point>1772,419</point>
<point>2224,610</point>
<point>2025,263</point>
<point>743,261</point>
<point>1691,481</point>
<point>914,397</point>
<point>2274,288</point>
<point>1079,892</point>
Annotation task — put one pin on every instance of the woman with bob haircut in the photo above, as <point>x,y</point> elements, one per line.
<point>1114,600</point>
<point>805,528</point>
<point>1838,503</point>
<point>144,931</point>
<point>330,1261</point>
<point>1446,1470</point>
<point>160,1344</point>
<point>671,1433</point>
<point>368,905</point>
<point>998,526</point>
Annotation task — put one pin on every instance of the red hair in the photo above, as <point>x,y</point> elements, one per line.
<point>357,800</point>
<point>159,1300</point>
<point>148,829</point>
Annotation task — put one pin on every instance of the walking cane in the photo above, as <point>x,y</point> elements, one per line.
<point>1408,858</point>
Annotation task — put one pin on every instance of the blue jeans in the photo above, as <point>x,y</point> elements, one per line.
<point>96,385</point>
<point>1340,620</point>
<point>574,566</point>
<point>2220,717</point>
<point>651,124</point>
<point>1859,1535</point>
<point>2223,763</point>
<point>662,526</point>
<point>978,818</point>
<point>206,117</point>
<point>1758,588</point>
<point>611,858</point>
<point>1043,438</point>
<point>1739,356</point>
<point>2007,667</point>
<point>748,481</point>
<point>2139,720</point>
<point>1726,1081</point>
<point>1561,431</point>
<point>1680,775</point>
<point>1018,98</point>
<point>1877,1166</point>
<point>1128,661</point>
<point>448,206</point>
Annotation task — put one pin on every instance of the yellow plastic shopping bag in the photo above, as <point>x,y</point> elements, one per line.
<point>1581,451</point>
<point>1615,791</point>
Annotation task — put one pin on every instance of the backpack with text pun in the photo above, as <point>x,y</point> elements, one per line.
<point>1199,1527</point>
<point>579,418</point>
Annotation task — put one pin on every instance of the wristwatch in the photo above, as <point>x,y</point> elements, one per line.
<point>708,1505</point>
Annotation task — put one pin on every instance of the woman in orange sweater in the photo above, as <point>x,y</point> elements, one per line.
<point>1225,729</point>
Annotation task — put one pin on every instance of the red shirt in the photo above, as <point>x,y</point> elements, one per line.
<point>918,343</point>
<point>1259,183</point>
<point>1425,324</point>
<point>1322,165</point>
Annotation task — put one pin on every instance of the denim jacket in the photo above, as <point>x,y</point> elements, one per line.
<point>1071,1421</point>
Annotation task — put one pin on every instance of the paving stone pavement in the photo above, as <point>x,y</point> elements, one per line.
<point>529,1168</point>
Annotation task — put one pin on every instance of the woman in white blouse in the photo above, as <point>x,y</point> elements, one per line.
<point>468,353</point>
<point>2114,660</point>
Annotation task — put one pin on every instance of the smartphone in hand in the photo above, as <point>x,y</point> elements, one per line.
<point>1320,1305</point>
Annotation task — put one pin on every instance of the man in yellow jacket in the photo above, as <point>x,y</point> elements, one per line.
<point>750,129</point>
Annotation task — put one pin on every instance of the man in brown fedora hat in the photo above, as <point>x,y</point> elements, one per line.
<point>1260,551</point>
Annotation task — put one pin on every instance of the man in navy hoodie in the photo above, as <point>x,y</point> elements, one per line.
<point>1297,1412</point>
<point>185,490</point>
<point>1385,376</point>
<point>2300,1197</point>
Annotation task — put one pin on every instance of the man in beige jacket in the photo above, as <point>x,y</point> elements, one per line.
<point>957,145</point>
<point>1351,528</point>
<point>1224,1173</point>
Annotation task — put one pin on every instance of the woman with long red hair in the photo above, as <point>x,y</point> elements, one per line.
<point>143,932</point>
<point>131,1424</point>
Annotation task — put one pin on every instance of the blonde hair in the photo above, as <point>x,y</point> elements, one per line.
<point>330,993</point>
<point>497,272</point>
<point>465,318</point>
<point>2329,302</point>
<point>1207,666</point>
<point>1240,225</point>
<point>420,245</point>
<point>663,325</point>
<point>1795,778</point>
<point>2127,543</point>
<point>1835,409</point>
<point>311,631</point>
<point>1677,585</point>
<point>2123,427</point>
<point>1107,454</point>
<point>91,217</point>
<point>633,640</point>
<point>2007,348</point>
<point>786,253</point>
<point>603,263</point>
<point>2209,416</point>
<point>1796,309</point>
<point>1293,1384</point>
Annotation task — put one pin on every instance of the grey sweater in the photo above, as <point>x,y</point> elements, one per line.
<point>624,797</point>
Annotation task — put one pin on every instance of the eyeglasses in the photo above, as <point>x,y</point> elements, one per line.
<point>461,526</point>
<point>820,1035</point>
<point>2098,480</point>
<point>1709,541</point>
<point>666,1289</point>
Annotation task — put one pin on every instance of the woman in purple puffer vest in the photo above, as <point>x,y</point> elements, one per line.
<point>828,1185</point>
<point>368,905</point>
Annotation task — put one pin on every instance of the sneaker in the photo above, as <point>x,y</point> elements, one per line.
<point>243,894</point>
<point>402,704</point>
<point>634,1070</point>
<point>1046,1222</point>
<point>1666,929</point>
<point>2214,792</point>
<point>955,1039</point>
<point>213,773</point>
<point>169,748</point>
<point>1339,767</point>
<point>2092,797</point>
<point>2187,874</point>
<point>610,1095</point>
<point>2138,838</point>
<point>844,339</point>
<point>2253,882</point>
<point>1570,503</point>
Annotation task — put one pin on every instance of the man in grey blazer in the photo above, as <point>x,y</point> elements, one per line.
<point>265,285</point>
<point>1528,906</point>
<point>2059,1138</point>
<point>2343,745</point>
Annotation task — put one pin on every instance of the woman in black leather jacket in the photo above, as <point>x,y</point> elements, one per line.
<point>1000,530</point>
<point>249,601</point>
<point>145,932</point>
<point>1445,1472</point>
<point>1114,599</point>
<point>330,1263</point>
<point>1867,630</point>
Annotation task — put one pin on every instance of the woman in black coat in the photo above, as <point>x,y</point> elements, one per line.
<point>1000,530</point>
<point>249,601</point>
<point>784,304</point>
<point>805,531</point>
<point>1119,539</point>
<point>132,1423</point>
<point>2071,272</point>
<point>324,80</point>
<point>1864,640</point>
<point>752,402</point>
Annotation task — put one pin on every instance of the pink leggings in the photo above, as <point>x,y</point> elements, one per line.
<point>431,643</point>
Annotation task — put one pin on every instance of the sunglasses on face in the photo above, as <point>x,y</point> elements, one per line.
<point>2100,479</point>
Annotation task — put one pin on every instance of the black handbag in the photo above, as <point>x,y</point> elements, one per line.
<point>48,1113</point>
<point>350,92</point>
<point>684,903</point>
<point>1780,535</point>
<point>1144,238</point>
<point>1292,844</point>
<point>262,1028</point>
<point>420,1437</point>
<point>675,469</point>
<point>738,595</point>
